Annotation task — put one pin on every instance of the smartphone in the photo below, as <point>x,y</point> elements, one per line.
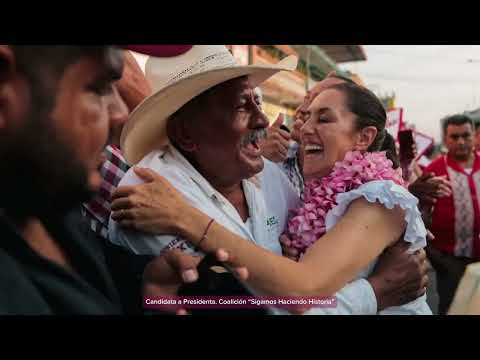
<point>407,142</point>
<point>212,283</point>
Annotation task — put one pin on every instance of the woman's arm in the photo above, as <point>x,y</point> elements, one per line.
<point>357,239</point>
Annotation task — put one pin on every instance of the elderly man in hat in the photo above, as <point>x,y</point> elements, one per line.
<point>202,130</point>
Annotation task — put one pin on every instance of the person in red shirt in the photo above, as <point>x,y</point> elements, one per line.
<point>455,218</point>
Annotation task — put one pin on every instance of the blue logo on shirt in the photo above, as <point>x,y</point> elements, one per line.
<point>272,221</point>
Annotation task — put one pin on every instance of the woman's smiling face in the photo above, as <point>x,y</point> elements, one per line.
<point>328,134</point>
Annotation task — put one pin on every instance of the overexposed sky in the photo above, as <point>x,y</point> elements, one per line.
<point>430,81</point>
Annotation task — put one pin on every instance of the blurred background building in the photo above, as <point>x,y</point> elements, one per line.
<point>284,92</point>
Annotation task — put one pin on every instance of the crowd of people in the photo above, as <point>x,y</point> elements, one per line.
<point>120,184</point>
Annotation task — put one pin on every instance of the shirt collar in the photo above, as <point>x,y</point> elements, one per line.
<point>203,183</point>
<point>451,162</point>
<point>195,175</point>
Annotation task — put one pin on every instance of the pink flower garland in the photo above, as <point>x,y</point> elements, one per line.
<point>308,222</point>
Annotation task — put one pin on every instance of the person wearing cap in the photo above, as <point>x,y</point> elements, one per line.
<point>201,130</point>
<point>56,108</point>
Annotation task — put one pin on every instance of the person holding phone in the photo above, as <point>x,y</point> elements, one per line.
<point>456,217</point>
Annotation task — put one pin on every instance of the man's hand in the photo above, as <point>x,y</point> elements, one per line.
<point>399,277</point>
<point>164,275</point>
<point>287,249</point>
<point>153,207</point>
<point>296,128</point>
<point>428,188</point>
<point>430,236</point>
<point>275,146</point>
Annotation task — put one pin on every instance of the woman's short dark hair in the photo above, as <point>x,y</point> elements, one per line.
<point>344,78</point>
<point>368,109</point>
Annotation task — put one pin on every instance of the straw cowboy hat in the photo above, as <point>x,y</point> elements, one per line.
<point>177,80</point>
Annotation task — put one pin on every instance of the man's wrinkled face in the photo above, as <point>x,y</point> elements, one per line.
<point>227,139</point>
<point>459,141</point>
<point>53,157</point>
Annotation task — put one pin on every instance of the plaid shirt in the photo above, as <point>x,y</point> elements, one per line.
<point>97,211</point>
